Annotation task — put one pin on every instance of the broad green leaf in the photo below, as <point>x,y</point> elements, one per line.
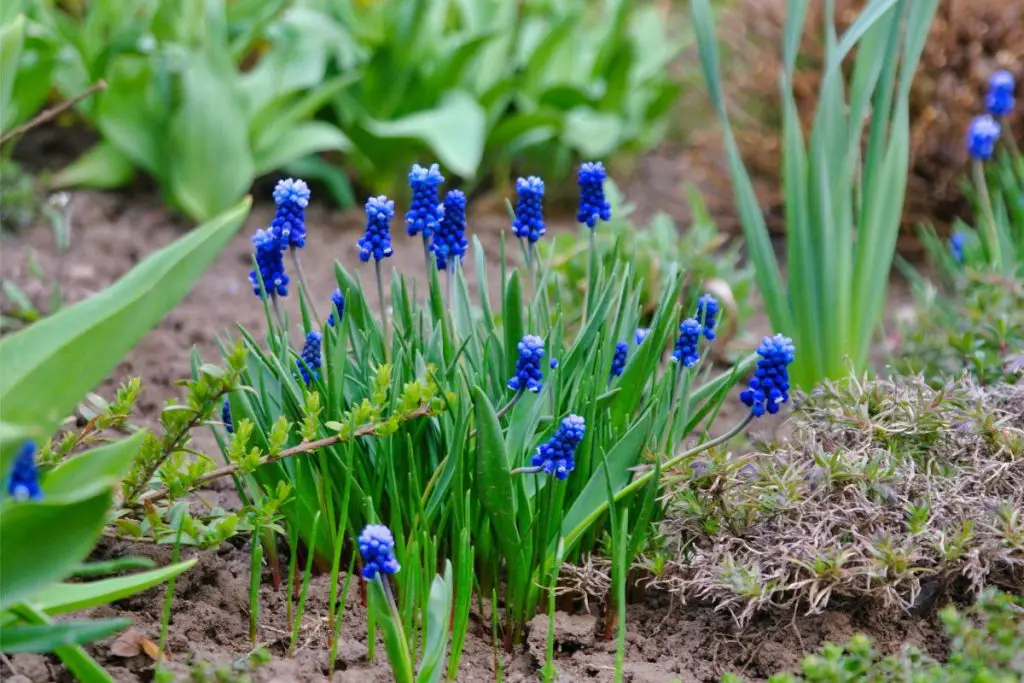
<point>495,486</point>
<point>131,114</point>
<point>69,597</point>
<point>593,134</point>
<point>90,472</point>
<point>454,131</point>
<point>212,165</point>
<point>12,36</point>
<point>81,666</point>
<point>102,166</point>
<point>593,499</point>
<point>391,628</point>
<point>439,614</point>
<point>47,368</point>
<point>41,542</point>
<point>47,638</point>
<point>304,138</point>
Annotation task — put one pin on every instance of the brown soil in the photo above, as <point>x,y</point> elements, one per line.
<point>664,642</point>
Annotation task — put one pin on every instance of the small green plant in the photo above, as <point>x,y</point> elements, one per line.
<point>844,184</point>
<point>986,643</point>
<point>49,521</point>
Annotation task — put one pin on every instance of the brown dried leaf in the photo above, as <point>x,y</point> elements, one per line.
<point>128,644</point>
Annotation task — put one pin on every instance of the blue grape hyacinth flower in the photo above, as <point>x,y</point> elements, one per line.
<point>999,101</point>
<point>337,305</point>
<point>686,351</point>
<point>377,548</point>
<point>529,220</point>
<point>641,334</point>
<point>528,374</point>
<point>982,136</point>
<point>593,205</point>
<point>23,481</point>
<point>225,416</point>
<point>425,210</point>
<point>768,389</point>
<point>556,457</point>
<point>289,224</point>
<point>449,244</point>
<point>707,315</point>
<point>376,242</point>
<point>619,359</point>
<point>956,246</point>
<point>269,265</point>
<point>309,365</point>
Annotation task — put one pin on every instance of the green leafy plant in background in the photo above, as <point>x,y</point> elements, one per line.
<point>708,261</point>
<point>844,183</point>
<point>45,370</point>
<point>987,641</point>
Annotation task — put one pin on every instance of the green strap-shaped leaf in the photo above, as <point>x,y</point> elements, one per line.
<point>495,486</point>
<point>47,368</point>
<point>439,614</point>
<point>47,638</point>
<point>92,472</point>
<point>69,597</point>
<point>41,542</point>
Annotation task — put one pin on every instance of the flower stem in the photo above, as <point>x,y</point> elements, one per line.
<point>380,300</point>
<point>304,284</point>
<point>992,245</point>
<point>277,311</point>
<point>426,253</point>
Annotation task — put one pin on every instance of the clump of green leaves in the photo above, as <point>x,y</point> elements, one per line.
<point>986,644</point>
<point>887,491</point>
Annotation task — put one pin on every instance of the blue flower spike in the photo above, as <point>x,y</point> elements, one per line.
<point>377,548</point>
<point>225,416</point>
<point>425,210</point>
<point>593,205</point>
<point>23,483</point>
<point>449,244</point>
<point>529,220</point>
<point>337,306</point>
<point>999,101</point>
<point>528,374</point>
<point>289,224</point>
<point>982,136</point>
<point>309,365</point>
<point>376,242</point>
<point>686,351</point>
<point>768,389</point>
<point>707,315</point>
<point>556,457</point>
<point>269,265</point>
<point>619,359</point>
<point>956,246</point>
<point>641,334</point>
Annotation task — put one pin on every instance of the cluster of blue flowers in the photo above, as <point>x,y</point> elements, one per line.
<point>286,231</point>
<point>309,365</point>
<point>999,100</point>
<point>619,359</point>
<point>337,304</point>
<point>529,218</point>
<point>641,334</point>
<point>707,315</point>
<point>686,350</point>
<point>376,242</point>
<point>449,244</point>
<point>23,481</point>
<point>556,456</point>
<point>956,246</point>
<point>377,548</point>
<point>593,206</point>
<point>225,416</point>
<point>425,211</point>
<point>528,374</point>
<point>982,136</point>
<point>768,389</point>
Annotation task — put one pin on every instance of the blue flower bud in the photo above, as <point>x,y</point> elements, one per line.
<point>768,389</point>
<point>425,211</point>
<point>449,244</point>
<point>289,224</point>
<point>593,205</point>
<point>309,365</point>
<point>528,374</point>
<point>376,242</point>
<point>982,136</point>
<point>619,359</point>
<point>707,315</point>
<point>337,305</point>
<point>686,351</point>
<point>225,416</point>
<point>269,265</point>
<point>556,457</point>
<point>377,548</point>
<point>641,334</point>
<point>23,481</point>
<point>529,220</point>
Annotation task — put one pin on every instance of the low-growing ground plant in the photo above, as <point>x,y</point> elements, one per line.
<point>889,492</point>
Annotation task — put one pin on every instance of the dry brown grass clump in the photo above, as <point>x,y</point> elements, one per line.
<point>969,39</point>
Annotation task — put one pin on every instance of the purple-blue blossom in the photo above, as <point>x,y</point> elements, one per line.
<point>707,315</point>
<point>225,416</point>
<point>269,265</point>
<point>377,548</point>
<point>556,457</point>
<point>768,389</point>
<point>529,219</point>
<point>982,136</point>
<point>376,241</point>
<point>449,244</point>
<point>593,205</point>
<point>309,363</point>
<point>337,306</point>
<point>289,224</point>
<point>686,351</point>
<point>425,210</point>
<point>619,359</point>
<point>23,481</point>
<point>528,375</point>
<point>999,100</point>
<point>641,334</point>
